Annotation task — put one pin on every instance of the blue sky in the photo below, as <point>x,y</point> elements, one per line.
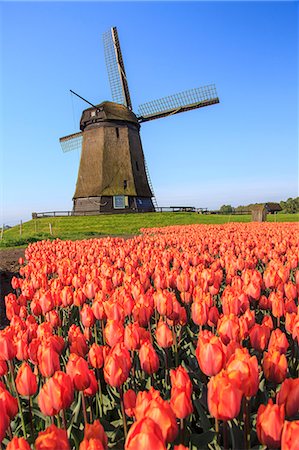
<point>239,151</point>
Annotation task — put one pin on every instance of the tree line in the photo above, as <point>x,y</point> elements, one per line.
<point>290,206</point>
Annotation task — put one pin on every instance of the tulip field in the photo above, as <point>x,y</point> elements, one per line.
<point>184,337</point>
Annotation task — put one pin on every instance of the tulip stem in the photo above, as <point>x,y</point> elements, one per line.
<point>182,434</point>
<point>95,333</point>
<point>122,406</point>
<point>84,408</point>
<point>11,368</point>
<point>64,420</point>
<point>225,435</point>
<point>216,432</point>
<point>246,423</point>
<point>103,332</point>
<point>30,416</point>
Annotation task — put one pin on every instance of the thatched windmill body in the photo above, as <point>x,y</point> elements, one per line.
<point>113,175</point>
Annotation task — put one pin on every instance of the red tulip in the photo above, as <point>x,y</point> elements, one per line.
<point>289,396</point>
<point>130,402</point>
<point>269,423</point>
<point>4,421</point>
<point>77,369</point>
<point>275,366</point>
<point>224,397</point>
<point>26,382</point>
<point>181,390</point>
<point>243,370</point>
<point>7,347</point>
<point>96,431</point>
<point>8,403</point>
<point>48,360</point>
<point>278,341</point>
<point>18,444</point>
<point>86,316</point>
<point>52,439</point>
<point>56,394</point>
<point>95,356</point>
<point>290,435</point>
<point>114,332</point>
<point>117,365</point>
<point>148,358</point>
<point>145,434</point>
<point>164,335</point>
<point>259,337</point>
<point>210,353</point>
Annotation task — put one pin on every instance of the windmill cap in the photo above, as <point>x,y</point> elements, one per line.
<point>106,111</point>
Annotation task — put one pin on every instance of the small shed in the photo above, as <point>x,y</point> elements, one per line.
<point>259,213</point>
<point>273,208</point>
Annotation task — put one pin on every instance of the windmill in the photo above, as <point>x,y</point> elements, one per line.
<point>113,175</point>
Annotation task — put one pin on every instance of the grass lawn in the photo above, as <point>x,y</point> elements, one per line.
<point>115,224</point>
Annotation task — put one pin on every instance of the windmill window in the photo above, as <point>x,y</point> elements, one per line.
<point>137,166</point>
<point>117,132</point>
<point>93,113</point>
<point>118,201</point>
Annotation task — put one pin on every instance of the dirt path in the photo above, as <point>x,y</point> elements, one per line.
<point>9,267</point>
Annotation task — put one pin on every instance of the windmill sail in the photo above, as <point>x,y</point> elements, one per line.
<point>116,68</point>
<point>181,102</point>
<point>71,142</point>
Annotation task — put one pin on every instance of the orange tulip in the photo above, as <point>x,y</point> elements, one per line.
<point>275,366</point>
<point>8,403</point>
<point>96,431</point>
<point>77,369</point>
<point>117,365</point>
<point>91,444</point>
<point>4,421</point>
<point>48,360</point>
<point>93,386</point>
<point>259,337</point>
<point>269,423</point>
<point>18,444</point>
<point>52,438</point>
<point>26,382</point>
<point>135,335</point>
<point>228,328</point>
<point>114,332</point>
<point>145,434</point>
<point>290,435</point>
<point>148,358</point>
<point>210,353</point>
<point>130,402</point>
<point>243,370</point>
<point>8,349</point>
<point>224,397</point>
<point>160,411</point>
<point>289,396</point>
<point>95,356</point>
<point>56,394</point>
<point>164,335</point>
<point>3,368</point>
